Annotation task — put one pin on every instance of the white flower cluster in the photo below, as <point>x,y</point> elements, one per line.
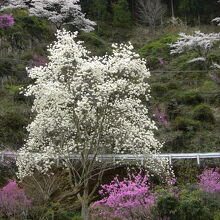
<point>217,20</point>
<point>89,105</point>
<point>58,12</point>
<point>200,42</point>
<point>14,4</point>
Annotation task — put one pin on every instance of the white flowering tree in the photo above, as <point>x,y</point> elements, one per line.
<point>200,42</point>
<point>217,20</point>
<point>88,106</point>
<point>61,12</point>
<point>13,4</point>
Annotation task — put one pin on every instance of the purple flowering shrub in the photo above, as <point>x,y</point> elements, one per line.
<point>6,20</point>
<point>209,180</point>
<point>161,117</point>
<point>13,200</point>
<point>39,61</point>
<point>125,200</point>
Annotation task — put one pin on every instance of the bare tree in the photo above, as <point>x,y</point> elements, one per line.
<point>149,12</point>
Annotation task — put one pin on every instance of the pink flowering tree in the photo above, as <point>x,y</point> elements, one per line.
<point>209,180</point>
<point>13,200</point>
<point>6,20</point>
<point>129,199</point>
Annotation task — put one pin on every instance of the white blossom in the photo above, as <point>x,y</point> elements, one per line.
<point>89,105</point>
<point>62,12</point>
<point>14,4</point>
<point>200,42</point>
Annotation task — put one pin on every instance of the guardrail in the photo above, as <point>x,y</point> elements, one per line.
<point>119,157</point>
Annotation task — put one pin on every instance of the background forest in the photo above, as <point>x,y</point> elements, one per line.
<point>185,96</point>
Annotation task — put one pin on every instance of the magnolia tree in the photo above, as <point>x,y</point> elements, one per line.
<point>88,106</point>
<point>200,42</point>
<point>59,12</point>
<point>62,12</point>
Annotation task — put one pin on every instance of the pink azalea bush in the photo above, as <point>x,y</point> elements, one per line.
<point>209,180</point>
<point>125,200</point>
<point>161,117</point>
<point>13,200</point>
<point>6,20</point>
<point>39,61</point>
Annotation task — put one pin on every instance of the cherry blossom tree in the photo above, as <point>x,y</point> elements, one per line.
<point>200,42</point>
<point>62,12</point>
<point>13,4</point>
<point>59,12</point>
<point>89,106</point>
<point>217,20</point>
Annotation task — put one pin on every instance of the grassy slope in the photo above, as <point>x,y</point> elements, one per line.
<point>176,94</point>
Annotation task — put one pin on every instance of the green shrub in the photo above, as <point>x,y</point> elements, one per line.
<point>167,206</point>
<point>189,98</point>
<point>121,14</point>
<point>180,62</point>
<point>173,85</point>
<point>99,9</point>
<point>159,48</point>
<point>91,38</point>
<point>12,120</point>
<point>94,43</point>
<point>193,209</point>
<point>185,124</point>
<point>6,68</point>
<point>15,91</point>
<point>158,89</point>
<point>203,113</point>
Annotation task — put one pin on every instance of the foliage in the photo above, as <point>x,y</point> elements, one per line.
<point>158,89</point>
<point>99,9</point>
<point>121,13</point>
<point>203,113</point>
<point>6,20</point>
<point>167,206</point>
<point>185,124</point>
<point>158,48</point>
<point>93,42</point>
<point>127,199</point>
<point>13,200</point>
<point>189,98</point>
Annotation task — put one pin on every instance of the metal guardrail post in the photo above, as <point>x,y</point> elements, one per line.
<point>170,159</point>
<point>2,157</point>
<point>198,160</point>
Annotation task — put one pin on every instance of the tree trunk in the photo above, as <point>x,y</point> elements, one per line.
<point>172,9</point>
<point>85,209</point>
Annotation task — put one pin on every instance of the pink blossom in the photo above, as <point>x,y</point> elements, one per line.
<point>209,180</point>
<point>125,199</point>
<point>161,116</point>
<point>161,60</point>
<point>6,20</point>
<point>13,200</point>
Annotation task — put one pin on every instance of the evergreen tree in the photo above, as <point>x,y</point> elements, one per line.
<point>121,13</point>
